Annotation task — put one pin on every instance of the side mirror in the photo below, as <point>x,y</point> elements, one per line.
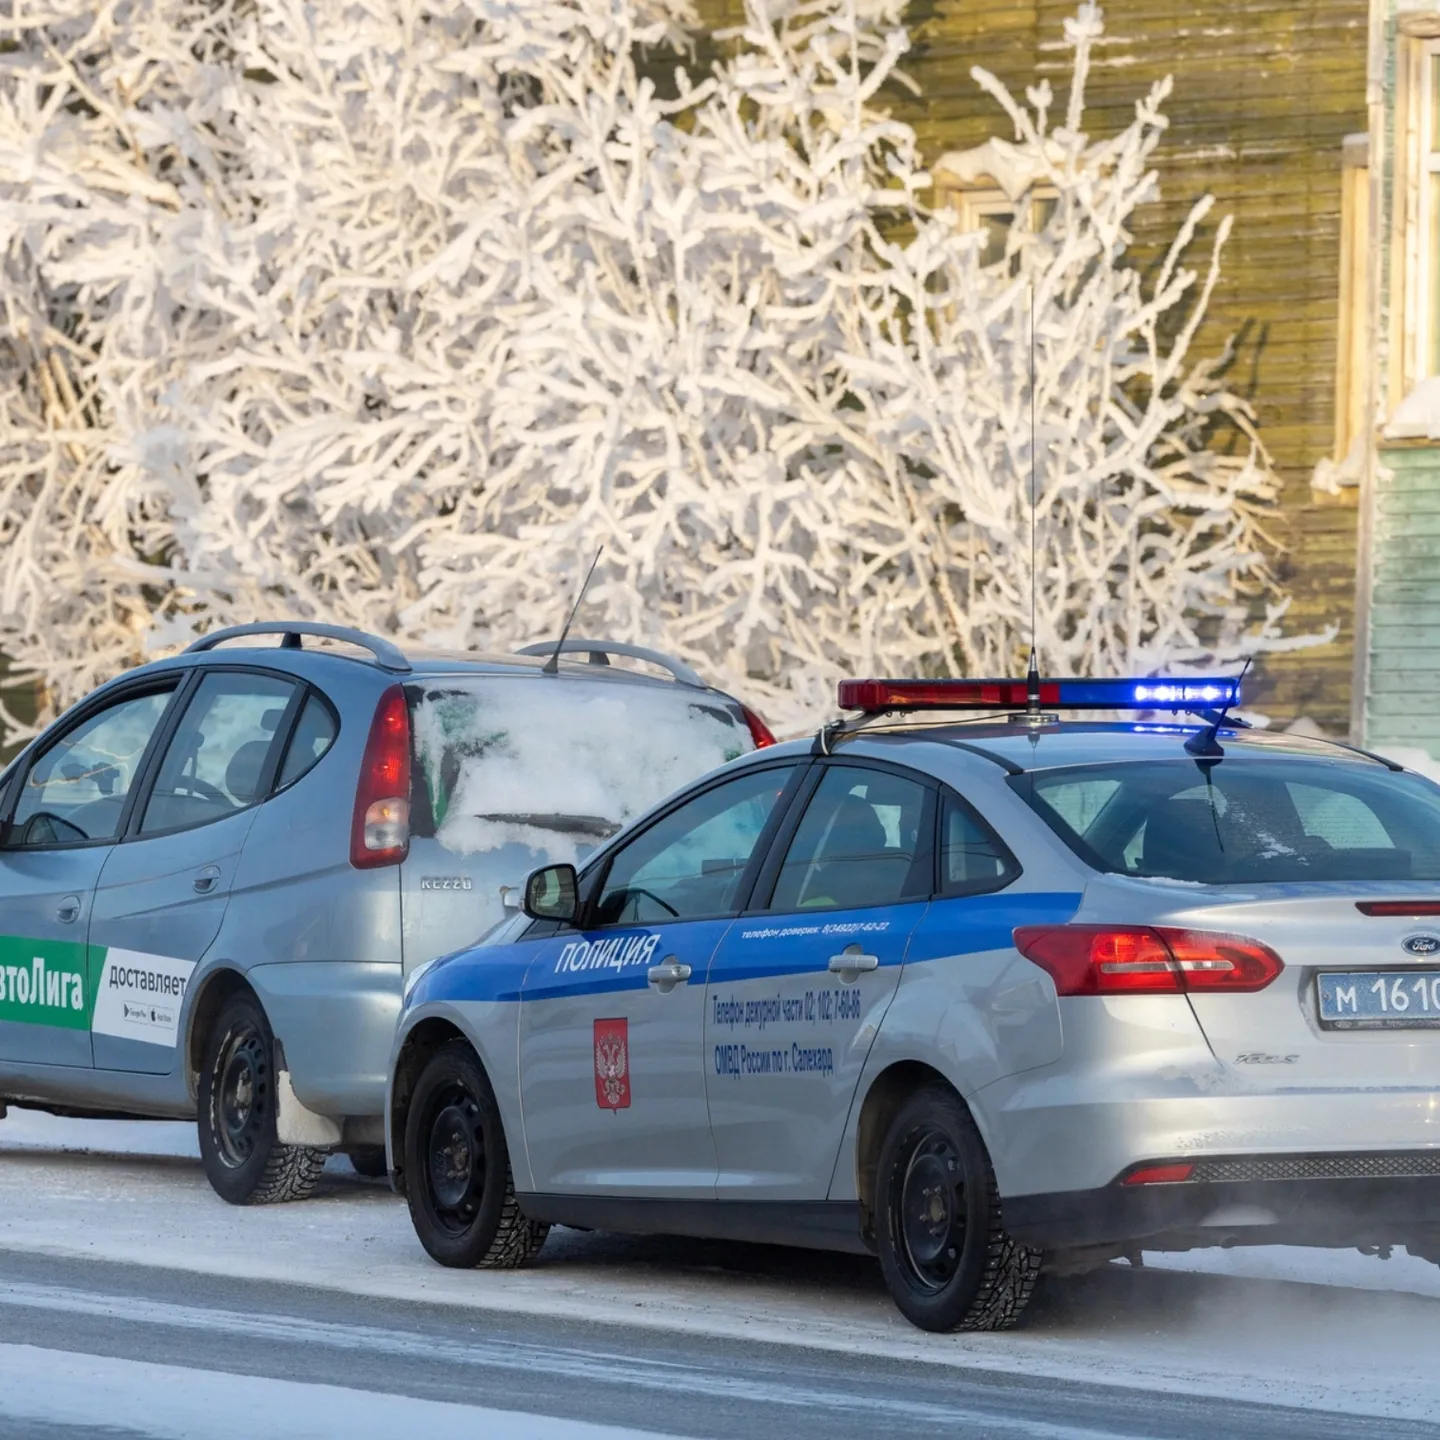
<point>553,894</point>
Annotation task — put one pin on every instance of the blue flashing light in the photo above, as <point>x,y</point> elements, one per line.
<point>1157,694</point>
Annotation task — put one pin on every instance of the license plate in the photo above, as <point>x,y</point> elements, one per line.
<point>1379,1000</point>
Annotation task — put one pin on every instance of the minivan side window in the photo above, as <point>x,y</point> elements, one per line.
<point>215,762</point>
<point>76,791</point>
<point>690,864</point>
<point>314,735</point>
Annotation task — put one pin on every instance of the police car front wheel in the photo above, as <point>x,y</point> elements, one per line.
<point>944,1253</point>
<point>460,1188</point>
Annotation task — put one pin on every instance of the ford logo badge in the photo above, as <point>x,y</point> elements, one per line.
<point>1421,944</point>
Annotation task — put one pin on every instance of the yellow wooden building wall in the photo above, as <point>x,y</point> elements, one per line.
<point>1265,94</point>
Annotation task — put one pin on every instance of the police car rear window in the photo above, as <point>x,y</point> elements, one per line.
<point>1243,821</point>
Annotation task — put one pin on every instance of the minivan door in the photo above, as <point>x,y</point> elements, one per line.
<point>66,809</point>
<point>163,892</point>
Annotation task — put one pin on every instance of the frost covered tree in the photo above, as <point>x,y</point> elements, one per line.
<point>391,313</point>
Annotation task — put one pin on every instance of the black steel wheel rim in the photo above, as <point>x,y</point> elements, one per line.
<point>455,1157</point>
<point>930,1209</point>
<point>242,1097</point>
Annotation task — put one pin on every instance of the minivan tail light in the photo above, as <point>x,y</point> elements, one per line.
<point>1146,959</point>
<point>760,732</point>
<point>380,830</point>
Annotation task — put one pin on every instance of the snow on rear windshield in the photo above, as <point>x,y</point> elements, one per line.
<point>556,765</point>
<point>1243,821</point>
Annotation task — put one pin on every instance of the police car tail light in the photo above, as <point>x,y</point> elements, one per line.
<point>1211,961</point>
<point>760,732</point>
<point>1146,960</point>
<point>1175,1174</point>
<point>1404,909</point>
<point>380,830</point>
<point>1188,694</point>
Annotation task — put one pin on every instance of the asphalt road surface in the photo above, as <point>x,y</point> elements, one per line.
<point>101,1349</point>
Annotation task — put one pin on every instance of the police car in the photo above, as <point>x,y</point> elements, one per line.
<point>973,995</point>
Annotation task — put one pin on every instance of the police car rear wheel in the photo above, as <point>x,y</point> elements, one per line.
<point>461,1191</point>
<point>943,1251</point>
<point>237,1109</point>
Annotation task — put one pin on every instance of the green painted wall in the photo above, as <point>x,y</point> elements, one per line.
<point>1402,706</point>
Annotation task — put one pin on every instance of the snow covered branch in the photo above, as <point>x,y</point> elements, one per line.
<point>389,312</point>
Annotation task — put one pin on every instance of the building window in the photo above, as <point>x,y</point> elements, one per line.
<point>988,192</point>
<point>1415,260</point>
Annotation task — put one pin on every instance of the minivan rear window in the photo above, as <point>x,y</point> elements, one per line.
<point>557,765</point>
<point>1243,821</point>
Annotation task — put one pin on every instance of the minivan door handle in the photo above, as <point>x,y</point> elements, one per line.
<point>851,963</point>
<point>68,910</point>
<point>668,974</point>
<point>207,879</point>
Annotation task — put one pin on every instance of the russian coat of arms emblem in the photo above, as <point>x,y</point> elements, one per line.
<point>612,1064</point>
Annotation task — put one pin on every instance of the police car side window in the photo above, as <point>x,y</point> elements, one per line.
<point>973,858</point>
<point>691,863</point>
<point>864,840</point>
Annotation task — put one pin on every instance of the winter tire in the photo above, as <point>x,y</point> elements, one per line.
<point>458,1181</point>
<point>369,1161</point>
<point>244,1161</point>
<point>946,1258</point>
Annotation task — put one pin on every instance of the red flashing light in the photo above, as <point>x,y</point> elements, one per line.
<point>1141,960</point>
<point>877,695</point>
<point>1159,1175</point>
<point>760,732</point>
<point>1398,907</point>
<point>380,829</point>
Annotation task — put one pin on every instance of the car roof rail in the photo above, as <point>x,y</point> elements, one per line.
<point>600,651</point>
<point>387,656</point>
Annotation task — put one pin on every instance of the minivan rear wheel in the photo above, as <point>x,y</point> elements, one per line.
<point>459,1185</point>
<point>944,1253</point>
<point>238,1105</point>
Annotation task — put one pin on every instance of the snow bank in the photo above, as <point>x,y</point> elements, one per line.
<point>557,767</point>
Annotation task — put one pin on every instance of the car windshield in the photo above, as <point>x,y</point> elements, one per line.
<point>1243,821</point>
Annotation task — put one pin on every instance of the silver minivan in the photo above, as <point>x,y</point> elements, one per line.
<point>216,870</point>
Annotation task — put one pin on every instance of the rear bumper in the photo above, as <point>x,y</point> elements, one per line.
<point>1331,1200</point>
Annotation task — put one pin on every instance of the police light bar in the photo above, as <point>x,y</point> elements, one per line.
<point>1189,694</point>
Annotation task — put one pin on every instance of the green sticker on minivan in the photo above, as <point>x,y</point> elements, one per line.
<point>42,982</point>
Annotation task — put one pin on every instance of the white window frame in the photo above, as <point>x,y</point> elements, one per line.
<point>1414,302</point>
<point>979,197</point>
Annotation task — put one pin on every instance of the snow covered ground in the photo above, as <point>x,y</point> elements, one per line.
<point>1337,1331</point>
<point>81,1391</point>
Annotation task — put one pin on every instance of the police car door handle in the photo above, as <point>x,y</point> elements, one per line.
<point>668,974</point>
<point>851,962</point>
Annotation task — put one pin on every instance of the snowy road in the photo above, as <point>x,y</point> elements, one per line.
<point>133,1303</point>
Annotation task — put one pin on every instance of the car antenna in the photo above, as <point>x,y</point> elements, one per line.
<point>552,665</point>
<point>1032,673</point>
<point>1205,744</point>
